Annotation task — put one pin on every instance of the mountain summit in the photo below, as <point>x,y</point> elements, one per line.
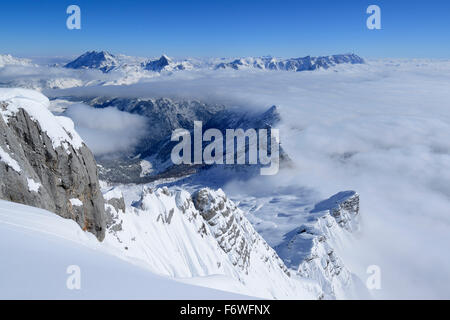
<point>103,61</point>
<point>164,64</point>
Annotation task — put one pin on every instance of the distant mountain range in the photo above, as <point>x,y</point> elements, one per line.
<point>110,69</point>
<point>107,62</point>
<point>103,61</point>
<point>295,64</point>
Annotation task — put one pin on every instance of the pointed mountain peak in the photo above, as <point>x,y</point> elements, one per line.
<point>165,58</point>
<point>271,116</point>
<point>101,60</point>
<point>159,64</point>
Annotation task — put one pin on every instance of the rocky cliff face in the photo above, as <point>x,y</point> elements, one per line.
<point>44,163</point>
<point>233,232</point>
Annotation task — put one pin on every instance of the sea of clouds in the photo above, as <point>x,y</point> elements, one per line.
<point>381,129</point>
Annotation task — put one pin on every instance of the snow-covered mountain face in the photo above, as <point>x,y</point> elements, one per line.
<point>106,62</point>
<point>295,64</point>
<point>165,64</point>
<point>204,234</point>
<point>102,61</point>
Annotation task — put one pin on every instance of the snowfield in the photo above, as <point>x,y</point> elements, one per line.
<point>38,247</point>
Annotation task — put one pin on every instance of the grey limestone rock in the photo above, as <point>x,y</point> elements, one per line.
<point>62,180</point>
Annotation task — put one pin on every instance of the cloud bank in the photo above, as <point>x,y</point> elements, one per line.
<point>107,131</point>
<point>381,129</point>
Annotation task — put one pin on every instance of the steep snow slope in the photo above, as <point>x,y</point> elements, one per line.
<point>38,247</point>
<point>201,237</point>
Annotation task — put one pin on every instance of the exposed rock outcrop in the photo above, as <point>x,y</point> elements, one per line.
<point>114,206</point>
<point>234,233</point>
<point>43,162</point>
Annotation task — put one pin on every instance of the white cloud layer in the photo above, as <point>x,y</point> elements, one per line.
<point>382,129</point>
<point>107,131</point>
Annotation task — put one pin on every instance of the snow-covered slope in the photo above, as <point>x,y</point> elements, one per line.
<point>201,237</point>
<point>313,248</point>
<point>38,249</point>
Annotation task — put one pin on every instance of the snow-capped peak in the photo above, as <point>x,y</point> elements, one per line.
<point>164,63</point>
<point>103,61</point>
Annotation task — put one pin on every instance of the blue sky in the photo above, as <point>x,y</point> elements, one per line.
<point>227,28</point>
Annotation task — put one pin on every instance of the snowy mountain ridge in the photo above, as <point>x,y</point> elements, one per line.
<point>107,62</point>
<point>294,64</point>
<point>312,248</point>
<point>167,232</point>
<point>221,241</point>
<point>101,68</point>
<point>166,64</point>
